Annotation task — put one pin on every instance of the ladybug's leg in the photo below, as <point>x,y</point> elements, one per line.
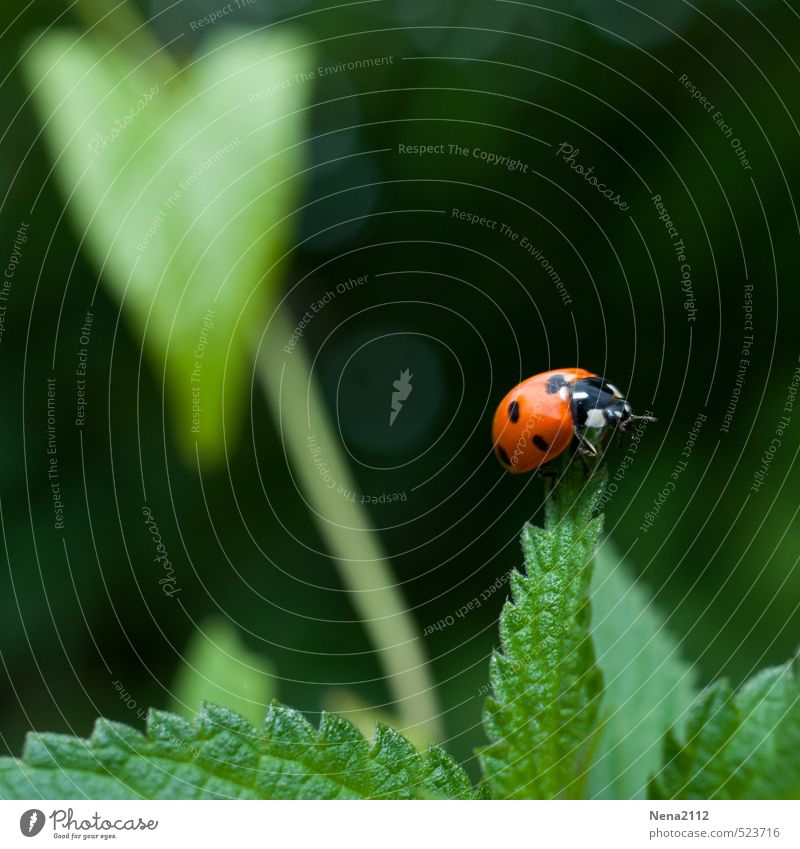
<point>549,474</point>
<point>584,449</point>
<point>547,471</point>
<point>584,446</point>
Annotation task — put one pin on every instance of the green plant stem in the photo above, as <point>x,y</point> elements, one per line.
<point>120,19</point>
<point>300,410</point>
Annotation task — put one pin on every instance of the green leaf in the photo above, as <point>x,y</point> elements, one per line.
<point>546,684</point>
<point>647,686</point>
<point>217,667</point>
<point>365,716</point>
<point>222,756</point>
<point>742,745</point>
<point>179,189</point>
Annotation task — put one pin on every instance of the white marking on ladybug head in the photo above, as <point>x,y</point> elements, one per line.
<point>580,395</point>
<point>617,393</point>
<point>595,418</point>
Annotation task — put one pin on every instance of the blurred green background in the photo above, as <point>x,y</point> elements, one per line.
<point>466,308</point>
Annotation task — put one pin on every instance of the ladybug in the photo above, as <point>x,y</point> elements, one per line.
<point>540,417</point>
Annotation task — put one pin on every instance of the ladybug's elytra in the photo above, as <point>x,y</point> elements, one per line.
<point>541,416</point>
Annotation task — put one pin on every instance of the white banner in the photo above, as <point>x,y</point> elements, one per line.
<point>403,825</point>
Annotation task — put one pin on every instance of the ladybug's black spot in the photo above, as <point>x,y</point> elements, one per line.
<point>501,453</point>
<point>513,411</point>
<point>555,383</point>
<point>540,442</point>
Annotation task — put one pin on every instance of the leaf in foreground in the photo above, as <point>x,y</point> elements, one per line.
<point>737,745</point>
<point>546,684</point>
<point>222,756</point>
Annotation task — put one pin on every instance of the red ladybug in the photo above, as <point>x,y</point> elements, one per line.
<point>541,416</point>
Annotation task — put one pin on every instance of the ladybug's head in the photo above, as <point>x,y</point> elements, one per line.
<point>618,413</point>
<point>598,404</point>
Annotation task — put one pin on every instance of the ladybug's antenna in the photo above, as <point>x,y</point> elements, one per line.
<point>632,419</point>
